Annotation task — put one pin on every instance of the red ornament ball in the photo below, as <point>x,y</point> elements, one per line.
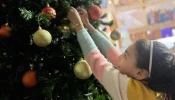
<point>29,79</point>
<point>5,30</point>
<point>94,12</point>
<point>50,11</point>
<point>4,5</point>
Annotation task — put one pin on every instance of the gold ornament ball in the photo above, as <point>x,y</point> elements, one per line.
<point>115,34</point>
<point>42,38</point>
<point>82,70</point>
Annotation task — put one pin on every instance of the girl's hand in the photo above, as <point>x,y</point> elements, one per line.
<point>73,16</point>
<point>84,16</point>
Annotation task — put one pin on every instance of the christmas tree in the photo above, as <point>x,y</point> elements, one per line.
<point>39,52</point>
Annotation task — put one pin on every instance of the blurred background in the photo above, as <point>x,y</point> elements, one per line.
<point>137,19</point>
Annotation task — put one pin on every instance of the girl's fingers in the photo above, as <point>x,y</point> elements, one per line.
<point>79,9</point>
<point>80,13</point>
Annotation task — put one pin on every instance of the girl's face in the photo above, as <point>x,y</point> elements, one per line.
<point>127,64</point>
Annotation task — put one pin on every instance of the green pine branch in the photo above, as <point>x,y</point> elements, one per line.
<point>60,55</point>
<point>110,23</point>
<point>26,14</point>
<point>104,16</point>
<point>42,19</point>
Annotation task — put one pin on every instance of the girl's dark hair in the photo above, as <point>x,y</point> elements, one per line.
<point>163,66</point>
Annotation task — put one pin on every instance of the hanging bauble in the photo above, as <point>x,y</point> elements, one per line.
<point>50,11</point>
<point>29,79</point>
<point>94,12</point>
<point>4,5</point>
<point>82,70</point>
<point>115,34</point>
<point>42,38</point>
<point>5,31</point>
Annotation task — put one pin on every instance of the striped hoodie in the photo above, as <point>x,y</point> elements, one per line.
<point>119,86</point>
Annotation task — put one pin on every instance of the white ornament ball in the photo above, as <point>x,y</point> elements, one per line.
<point>115,34</point>
<point>42,38</point>
<point>82,70</point>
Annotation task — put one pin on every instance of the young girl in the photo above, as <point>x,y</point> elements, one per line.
<point>145,66</point>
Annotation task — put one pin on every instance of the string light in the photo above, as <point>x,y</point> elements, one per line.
<point>148,32</point>
<point>110,2</point>
<point>65,27</point>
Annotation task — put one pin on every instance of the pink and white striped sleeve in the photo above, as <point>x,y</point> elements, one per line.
<point>106,47</point>
<point>114,82</point>
<point>92,55</point>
